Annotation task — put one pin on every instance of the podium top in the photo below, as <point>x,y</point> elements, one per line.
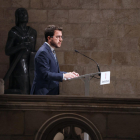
<point>86,75</point>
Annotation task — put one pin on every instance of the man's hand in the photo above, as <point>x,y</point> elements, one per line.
<point>70,75</point>
<point>76,74</point>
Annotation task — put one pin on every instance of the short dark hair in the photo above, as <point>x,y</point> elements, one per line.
<point>49,31</point>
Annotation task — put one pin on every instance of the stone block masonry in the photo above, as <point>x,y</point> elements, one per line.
<point>108,31</point>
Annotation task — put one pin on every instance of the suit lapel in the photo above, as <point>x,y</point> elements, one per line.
<point>51,53</point>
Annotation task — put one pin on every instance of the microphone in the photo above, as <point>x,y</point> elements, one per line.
<point>90,59</point>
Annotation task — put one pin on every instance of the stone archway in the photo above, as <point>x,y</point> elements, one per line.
<point>57,124</point>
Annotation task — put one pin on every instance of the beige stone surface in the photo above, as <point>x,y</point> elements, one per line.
<point>109,89</point>
<point>83,60</point>
<point>134,58</point>
<point>124,16</point>
<point>79,16</point>
<point>3,70</point>
<point>116,31</point>
<point>112,69</point>
<point>12,123</point>
<point>67,44</point>
<point>5,3</point>
<point>4,59</point>
<point>67,68</point>
<point>69,4</point>
<point>103,16</point>
<point>120,58</point>
<point>108,31</point>
<point>42,28</point>
<point>99,120</point>
<point>129,72</point>
<point>111,117</point>
<point>138,4</point>
<point>126,87</point>
<point>119,86</point>
<point>81,69</point>
<point>95,88</point>
<point>73,87</point>
<point>92,68</point>
<point>60,57</point>
<point>39,43</point>
<point>122,126</point>
<point>106,44</point>
<point>132,31</point>
<point>70,57</point>
<point>138,87</point>
<point>20,3</point>
<point>34,120</point>
<point>118,72</point>
<point>94,30</point>
<point>89,4</point>
<point>51,4</point>
<point>129,4</point>
<point>103,58</point>
<point>37,15</point>
<point>125,45</point>
<point>58,16</point>
<point>36,4</point>
<point>85,43</point>
<point>110,4</point>
<point>1,13</point>
<point>138,72</point>
<point>9,15</point>
<point>72,30</point>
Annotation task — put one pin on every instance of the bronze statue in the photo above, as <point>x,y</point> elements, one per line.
<point>20,45</point>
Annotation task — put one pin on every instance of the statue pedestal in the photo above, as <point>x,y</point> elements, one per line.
<point>1,86</point>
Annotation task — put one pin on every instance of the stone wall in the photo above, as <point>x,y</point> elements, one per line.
<point>22,116</point>
<point>106,30</point>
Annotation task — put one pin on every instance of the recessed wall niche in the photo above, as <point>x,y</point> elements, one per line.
<point>68,127</point>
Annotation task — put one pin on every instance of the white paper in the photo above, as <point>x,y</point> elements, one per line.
<point>105,78</point>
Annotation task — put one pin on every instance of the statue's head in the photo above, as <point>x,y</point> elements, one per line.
<point>21,16</point>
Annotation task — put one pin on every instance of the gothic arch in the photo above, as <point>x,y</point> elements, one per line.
<point>55,124</point>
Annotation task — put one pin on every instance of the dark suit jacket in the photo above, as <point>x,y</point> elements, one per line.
<point>47,73</point>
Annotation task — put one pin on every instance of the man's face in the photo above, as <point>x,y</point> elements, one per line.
<point>56,40</point>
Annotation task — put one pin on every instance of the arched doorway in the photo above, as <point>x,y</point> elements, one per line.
<point>67,124</point>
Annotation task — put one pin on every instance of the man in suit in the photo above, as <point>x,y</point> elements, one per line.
<point>47,72</point>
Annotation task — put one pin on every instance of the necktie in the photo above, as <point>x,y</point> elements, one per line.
<point>54,54</point>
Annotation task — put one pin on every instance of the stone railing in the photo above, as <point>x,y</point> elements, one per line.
<point>69,103</point>
<point>31,117</point>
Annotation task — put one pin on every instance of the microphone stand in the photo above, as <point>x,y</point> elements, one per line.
<point>90,59</point>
